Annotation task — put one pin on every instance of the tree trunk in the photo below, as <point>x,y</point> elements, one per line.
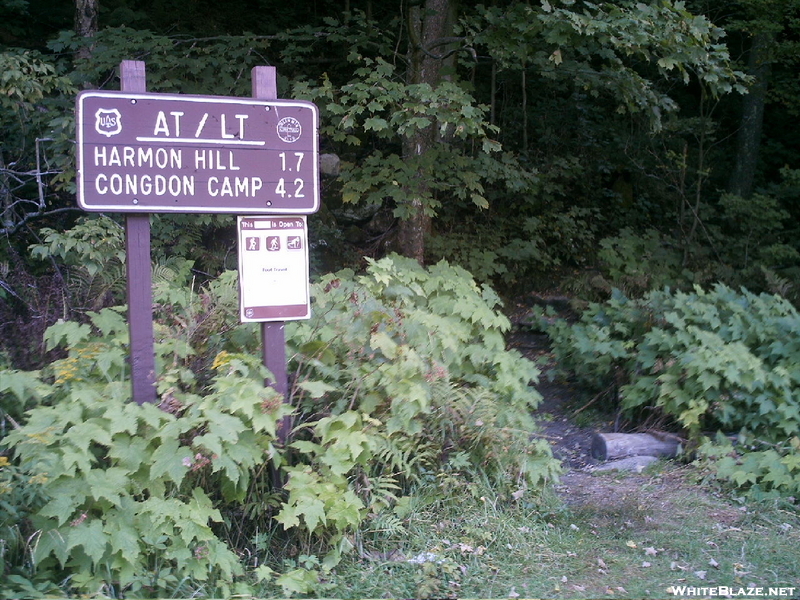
<point>748,140</point>
<point>427,25</point>
<point>86,24</point>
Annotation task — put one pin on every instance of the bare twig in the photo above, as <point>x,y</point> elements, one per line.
<point>593,400</point>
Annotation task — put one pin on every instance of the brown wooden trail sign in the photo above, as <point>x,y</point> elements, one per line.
<point>140,153</point>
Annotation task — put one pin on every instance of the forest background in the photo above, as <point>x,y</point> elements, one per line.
<point>639,158</point>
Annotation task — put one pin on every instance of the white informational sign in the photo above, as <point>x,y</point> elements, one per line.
<point>273,268</point>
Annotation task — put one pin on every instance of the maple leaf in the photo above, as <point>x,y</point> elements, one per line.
<point>90,537</point>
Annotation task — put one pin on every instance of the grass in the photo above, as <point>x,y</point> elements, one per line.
<point>604,536</point>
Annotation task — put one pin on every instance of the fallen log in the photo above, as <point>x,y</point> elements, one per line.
<point>610,446</point>
<point>632,463</point>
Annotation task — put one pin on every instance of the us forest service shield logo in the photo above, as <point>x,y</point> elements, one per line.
<point>108,121</point>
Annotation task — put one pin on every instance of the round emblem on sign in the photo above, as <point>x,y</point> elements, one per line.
<point>289,129</point>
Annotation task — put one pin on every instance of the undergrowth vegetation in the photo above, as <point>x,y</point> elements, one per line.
<point>554,148</point>
<point>719,365</point>
<point>401,381</point>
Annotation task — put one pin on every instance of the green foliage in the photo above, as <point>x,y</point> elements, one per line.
<point>603,48</point>
<point>755,229</point>
<point>36,133</point>
<point>709,360</point>
<point>439,316</point>
<point>173,65</point>
<point>27,78</point>
<point>20,495</point>
<point>95,244</point>
<point>758,220</point>
<point>401,378</point>
<point>377,108</point>
<point>423,352</point>
<point>131,488</point>
<point>508,251</point>
<point>91,255</point>
<point>471,253</point>
<point>19,390</point>
<point>765,469</point>
<point>351,35</point>
<point>132,492</point>
<point>206,242</point>
<point>637,263</point>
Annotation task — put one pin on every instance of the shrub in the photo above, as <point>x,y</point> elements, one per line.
<point>400,378</point>
<point>716,360</point>
<point>423,351</point>
<point>129,488</point>
<point>637,263</point>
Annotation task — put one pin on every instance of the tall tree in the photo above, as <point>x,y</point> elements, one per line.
<point>430,30</point>
<point>770,27</point>
<point>748,139</point>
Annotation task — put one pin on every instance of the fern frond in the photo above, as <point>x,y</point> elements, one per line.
<point>95,291</point>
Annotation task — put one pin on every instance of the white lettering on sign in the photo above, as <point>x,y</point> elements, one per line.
<point>127,156</point>
<point>144,185</point>
<point>234,187</point>
<point>298,155</point>
<point>201,125</point>
<point>214,159</point>
<point>162,129</point>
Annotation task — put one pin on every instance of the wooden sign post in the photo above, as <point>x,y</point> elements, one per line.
<point>265,85</point>
<point>140,279</point>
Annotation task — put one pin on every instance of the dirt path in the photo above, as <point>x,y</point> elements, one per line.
<point>571,443</point>
<point>635,534</point>
<point>580,486</point>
